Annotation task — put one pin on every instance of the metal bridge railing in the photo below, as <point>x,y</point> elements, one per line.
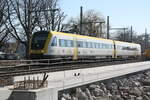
<point>30,84</point>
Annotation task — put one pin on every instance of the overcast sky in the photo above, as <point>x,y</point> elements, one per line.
<point>122,13</point>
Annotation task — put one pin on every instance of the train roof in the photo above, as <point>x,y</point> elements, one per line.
<point>126,42</point>
<point>83,36</point>
<point>80,36</point>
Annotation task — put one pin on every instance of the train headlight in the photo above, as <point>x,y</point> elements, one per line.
<point>42,51</point>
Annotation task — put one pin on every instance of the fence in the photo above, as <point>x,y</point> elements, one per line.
<point>30,84</point>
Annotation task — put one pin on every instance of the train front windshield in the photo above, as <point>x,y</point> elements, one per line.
<point>38,40</point>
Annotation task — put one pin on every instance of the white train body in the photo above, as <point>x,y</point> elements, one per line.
<point>125,49</point>
<point>58,44</point>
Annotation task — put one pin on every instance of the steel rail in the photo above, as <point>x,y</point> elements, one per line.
<point>52,67</point>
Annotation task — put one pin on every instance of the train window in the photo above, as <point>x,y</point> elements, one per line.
<point>80,43</point>
<point>87,44</point>
<point>69,43</point>
<point>136,49</point>
<point>39,39</point>
<point>133,48</point>
<point>97,45</point>
<point>126,48</point>
<point>84,44</point>
<point>100,45</point>
<point>112,46</point>
<point>72,43</point>
<point>62,42</point>
<point>106,46</point>
<point>54,42</point>
<point>103,46</point>
<point>109,46</point>
<point>91,44</point>
<point>119,47</point>
<point>94,45</point>
<point>66,45</point>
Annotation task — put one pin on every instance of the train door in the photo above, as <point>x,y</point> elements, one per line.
<point>114,50</point>
<point>75,51</point>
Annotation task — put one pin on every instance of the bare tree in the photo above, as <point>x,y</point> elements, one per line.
<point>51,15</point>
<point>91,24</point>
<point>27,16</point>
<point>122,35</point>
<point>3,17</point>
<point>144,40</point>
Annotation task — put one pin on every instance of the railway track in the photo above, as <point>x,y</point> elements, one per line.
<point>25,67</point>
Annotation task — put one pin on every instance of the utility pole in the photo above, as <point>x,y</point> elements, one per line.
<point>131,34</point>
<point>124,34</point>
<point>81,18</point>
<point>108,27</point>
<point>145,39</point>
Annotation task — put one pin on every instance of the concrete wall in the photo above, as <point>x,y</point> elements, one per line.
<point>22,95</point>
<point>67,79</point>
<point>40,94</point>
<point>5,93</point>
